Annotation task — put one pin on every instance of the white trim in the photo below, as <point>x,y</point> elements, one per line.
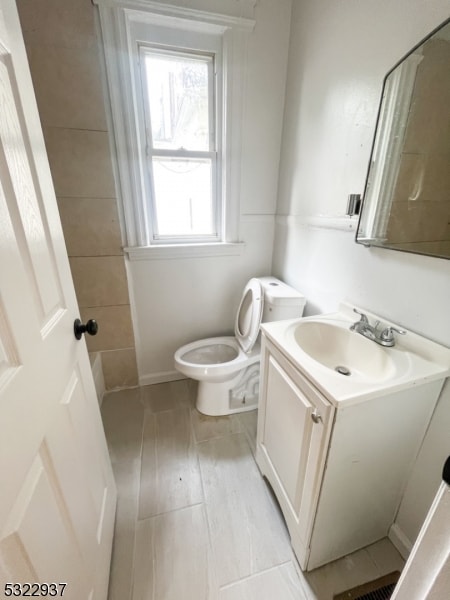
<point>169,251</point>
<point>157,8</point>
<point>161,377</point>
<point>400,540</point>
<point>339,222</point>
<point>120,22</point>
<point>258,218</point>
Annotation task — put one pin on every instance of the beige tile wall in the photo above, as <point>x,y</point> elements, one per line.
<point>62,47</point>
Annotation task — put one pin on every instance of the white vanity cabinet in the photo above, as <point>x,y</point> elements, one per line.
<point>338,470</point>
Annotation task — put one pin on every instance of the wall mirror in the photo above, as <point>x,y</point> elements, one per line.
<point>406,202</point>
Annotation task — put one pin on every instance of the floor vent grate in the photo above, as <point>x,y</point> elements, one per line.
<point>379,589</point>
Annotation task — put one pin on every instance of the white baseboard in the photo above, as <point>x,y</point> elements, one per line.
<point>161,377</point>
<point>400,541</point>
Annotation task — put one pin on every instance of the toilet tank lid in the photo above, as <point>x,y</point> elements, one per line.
<point>278,293</point>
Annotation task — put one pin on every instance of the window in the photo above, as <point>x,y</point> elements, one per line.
<point>175,81</point>
<point>179,105</point>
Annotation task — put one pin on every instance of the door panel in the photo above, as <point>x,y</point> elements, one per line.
<point>9,361</point>
<point>38,515</point>
<point>31,235</point>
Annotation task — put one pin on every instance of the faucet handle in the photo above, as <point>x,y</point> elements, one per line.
<point>364,318</point>
<point>388,334</point>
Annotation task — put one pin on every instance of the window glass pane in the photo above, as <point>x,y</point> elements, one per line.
<point>178,100</point>
<point>183,195</point>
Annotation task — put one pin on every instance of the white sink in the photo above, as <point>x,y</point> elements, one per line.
<point>346,352</point>
<point>348,367</point>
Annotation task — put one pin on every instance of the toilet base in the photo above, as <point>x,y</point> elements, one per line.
<point>239,394</point>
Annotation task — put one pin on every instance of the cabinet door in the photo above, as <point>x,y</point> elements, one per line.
<point>287,431</point>
<point>294,428</point>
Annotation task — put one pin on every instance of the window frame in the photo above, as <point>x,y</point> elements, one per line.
<point>213,154</point>
<point>122,25</point>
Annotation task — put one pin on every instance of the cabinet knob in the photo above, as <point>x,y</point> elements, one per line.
<point>315,416</point>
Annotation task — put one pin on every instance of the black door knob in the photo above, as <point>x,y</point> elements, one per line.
<point>79,328</point>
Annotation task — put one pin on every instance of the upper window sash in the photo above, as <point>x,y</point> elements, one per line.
<point>209,59</point>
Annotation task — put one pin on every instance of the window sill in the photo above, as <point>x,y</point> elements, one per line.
<point>170,251</point>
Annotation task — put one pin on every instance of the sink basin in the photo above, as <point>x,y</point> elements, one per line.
<point>347,367</point>
<point>346,352</point>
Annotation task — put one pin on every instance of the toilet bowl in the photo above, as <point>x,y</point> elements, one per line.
<point>227,367</point>
<point>218,358</point>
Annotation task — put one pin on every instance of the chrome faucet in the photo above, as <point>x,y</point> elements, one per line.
<point>384,338</point>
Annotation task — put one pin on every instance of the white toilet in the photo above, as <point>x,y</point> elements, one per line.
<point>227,368</point>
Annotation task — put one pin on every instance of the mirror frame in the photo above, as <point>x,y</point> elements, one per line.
<point>373,147</point>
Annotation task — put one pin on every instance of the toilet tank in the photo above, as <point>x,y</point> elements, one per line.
<point>281,301</point>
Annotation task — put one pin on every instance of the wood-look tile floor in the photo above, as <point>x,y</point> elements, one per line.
<point>195,519</point>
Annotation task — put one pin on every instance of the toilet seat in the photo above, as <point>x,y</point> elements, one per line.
<point>218,358</point>
<point>195,358</point>
<point>249,315</point>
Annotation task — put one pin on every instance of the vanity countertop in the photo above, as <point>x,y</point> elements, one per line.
<point>374,370</point>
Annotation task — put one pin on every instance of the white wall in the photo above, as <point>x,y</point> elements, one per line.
<point>339,54</point>
<point>181,300</point>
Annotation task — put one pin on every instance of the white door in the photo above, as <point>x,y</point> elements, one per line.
<point>57,493</point>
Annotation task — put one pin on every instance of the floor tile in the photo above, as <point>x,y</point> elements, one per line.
<point>121,576</point>
<point>170,476</point>
<point>386,556</point>
<point>206,428</point>
<point>123,418</point>
<point>248,533</point>
<point>280,583</point>
<point>193,388</point>
<point>340,575</point>
<point>210,527</point>
<point>168,396</point>
<point>173,557</point>
<point>249,421</point>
